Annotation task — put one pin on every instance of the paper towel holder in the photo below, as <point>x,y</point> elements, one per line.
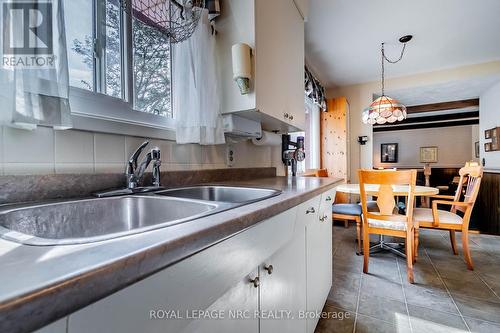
<point>242,66</point>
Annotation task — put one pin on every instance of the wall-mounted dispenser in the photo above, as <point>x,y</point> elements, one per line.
<point>242,66</point>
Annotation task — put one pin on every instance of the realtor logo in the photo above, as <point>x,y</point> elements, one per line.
<point>27,34</point>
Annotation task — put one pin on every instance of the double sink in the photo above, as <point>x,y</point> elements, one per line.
<point>92,220</point>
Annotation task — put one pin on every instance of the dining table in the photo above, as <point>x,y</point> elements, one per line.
<point>399,191</point>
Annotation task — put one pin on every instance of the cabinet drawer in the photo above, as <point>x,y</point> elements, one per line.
<point>192,284</point>
<point>307,212</point>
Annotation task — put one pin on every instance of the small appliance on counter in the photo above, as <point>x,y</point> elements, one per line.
<point>292,152</point>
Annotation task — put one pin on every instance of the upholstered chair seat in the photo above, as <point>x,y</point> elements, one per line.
<point>423,215</point>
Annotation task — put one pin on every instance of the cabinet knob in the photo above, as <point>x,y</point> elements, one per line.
<point>286,115</point>
<point>324,218</point>
<point>269,269</point>
<point>311,210</point>
<point>291,117</point>
<point>328,198</point>
<point>255,281</point>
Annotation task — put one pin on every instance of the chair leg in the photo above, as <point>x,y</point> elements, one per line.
<point>409,255</point>
<point>453,242</point>
<point>346,223</point>
<point>465,247</point>
<point>358,233</point>
<point>366,249</point>
<point>415,244</point>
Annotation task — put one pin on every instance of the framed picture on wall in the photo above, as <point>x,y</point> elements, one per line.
<point>476,149</point>
<point>428,154</point>
<point>389,153</point>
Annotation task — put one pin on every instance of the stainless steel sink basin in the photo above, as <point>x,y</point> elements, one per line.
<point>91,220</point>
<point>228,194</point>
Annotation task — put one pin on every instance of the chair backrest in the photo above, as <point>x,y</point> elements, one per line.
<point>470,178</point>
<point>322,173</point>
<point>369,180</point>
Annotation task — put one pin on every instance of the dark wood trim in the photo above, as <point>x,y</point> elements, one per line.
<point>466,103</point>
<point>427,125</point>
<point>441,117</point>
<point>486,213</point>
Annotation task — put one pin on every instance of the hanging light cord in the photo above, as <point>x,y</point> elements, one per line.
<point>384,58</point>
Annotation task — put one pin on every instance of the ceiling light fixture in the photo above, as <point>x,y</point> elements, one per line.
<point>386,109</point>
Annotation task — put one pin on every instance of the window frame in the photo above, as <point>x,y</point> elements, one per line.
<point>96,111</point>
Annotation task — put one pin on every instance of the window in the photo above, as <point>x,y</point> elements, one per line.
<point>311,137</point>
<point>151,67</point>
<point>79,32</point>
<point>98,32</point>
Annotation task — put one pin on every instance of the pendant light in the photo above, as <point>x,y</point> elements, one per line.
<point>386,109</point>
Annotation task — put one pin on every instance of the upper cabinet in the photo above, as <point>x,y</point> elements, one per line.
<point>275,32</point>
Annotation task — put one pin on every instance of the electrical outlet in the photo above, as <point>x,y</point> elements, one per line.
<point>230,155</point>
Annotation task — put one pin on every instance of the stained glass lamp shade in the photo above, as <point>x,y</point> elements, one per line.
<point>384,110</point>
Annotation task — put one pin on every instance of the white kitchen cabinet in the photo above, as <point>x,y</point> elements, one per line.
<point>275,31</point>
<point>193,284</point>
<point>221,281</point>
<point>238,306</point>
<point>283,277</point>
<point>59,326</point>
<point>319,257</point>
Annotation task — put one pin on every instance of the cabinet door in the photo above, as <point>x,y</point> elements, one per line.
<point>280,66</point>
<point>319,257</point>
<point>195,283</point>
<point>56,327</point>
<point>236,309</point>
<point>282,288</point>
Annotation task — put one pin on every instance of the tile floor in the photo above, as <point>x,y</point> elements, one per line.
<point>446,297</point>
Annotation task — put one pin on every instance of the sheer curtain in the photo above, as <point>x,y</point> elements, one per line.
<point>37,92</point>
<point>196,102</point>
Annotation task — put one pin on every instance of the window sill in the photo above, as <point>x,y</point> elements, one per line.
<point>100,113</point>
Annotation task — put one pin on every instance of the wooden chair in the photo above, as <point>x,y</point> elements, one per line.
<point>470,180</point>
<point>322,173</point>
<point>342,210</point>
<point>386,222</point>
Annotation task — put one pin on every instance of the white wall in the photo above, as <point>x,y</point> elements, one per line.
<point>360,96</point>
<point>474,138</point>
<point>489,117</point>
<point>45,151</point>
<point>454,146</point>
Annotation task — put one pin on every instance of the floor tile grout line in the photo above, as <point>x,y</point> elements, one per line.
<point>447,290</point>
<point>404,296</point>
<point>486,283</point>
<point>476,273</point>
<point>357,302</point>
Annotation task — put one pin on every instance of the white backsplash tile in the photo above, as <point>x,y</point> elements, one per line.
<point>110,168</point>
<point>23,146</point>
<point>186,154</point>
<point>74,147</point>
<point>74,168</point>
<point>45,151</point>
<point>28,168</point>
<point>109,148</point>
<point>213,154</point>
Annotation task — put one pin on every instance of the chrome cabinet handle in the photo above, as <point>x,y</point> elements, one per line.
<point>324,218</point>
<point>286,115</point>
<point>291,117</point>
<point>269,269</point>
<point>311,210</point>
<point>255,281</point>
<point>328,198</point>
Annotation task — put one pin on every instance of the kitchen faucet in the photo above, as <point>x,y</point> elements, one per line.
<point>135,172</point>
